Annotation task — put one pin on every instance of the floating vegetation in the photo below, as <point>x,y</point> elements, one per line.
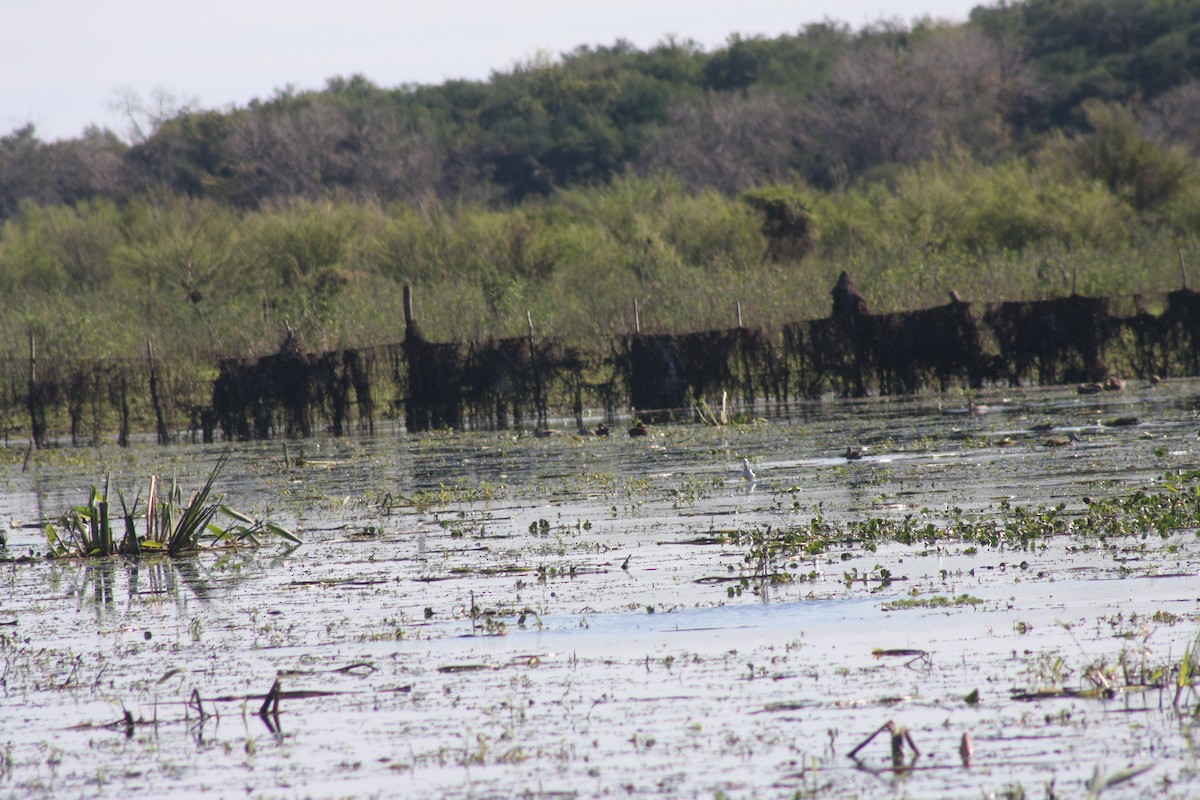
<point>1172,506</point>
<point>937,601</point>
<point>163,523</point>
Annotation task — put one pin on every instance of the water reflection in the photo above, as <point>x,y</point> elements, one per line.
<point>99,583</point>
<point>95,586</point>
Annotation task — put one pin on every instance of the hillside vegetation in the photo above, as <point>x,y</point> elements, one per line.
<point>1042,147</point>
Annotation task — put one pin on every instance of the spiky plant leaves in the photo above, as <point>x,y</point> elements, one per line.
<point>94,537</point>
<point>57,547</point>
<point>129,544</point>
<point>170,526</point>
<point>195,518</point>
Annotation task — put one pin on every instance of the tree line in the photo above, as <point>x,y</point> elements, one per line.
<point>1038,149</point>
<point>827,104</point>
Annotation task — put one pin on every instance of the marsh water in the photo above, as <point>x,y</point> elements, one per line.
<point>496,614</point>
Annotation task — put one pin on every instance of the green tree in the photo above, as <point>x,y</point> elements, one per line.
<point>787,220</point>
<point>1140,172</point>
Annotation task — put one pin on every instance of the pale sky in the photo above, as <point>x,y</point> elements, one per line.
<point>63,62</point>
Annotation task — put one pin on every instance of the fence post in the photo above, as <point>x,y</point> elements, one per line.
<point>33,400</point>
<point>164,436</point>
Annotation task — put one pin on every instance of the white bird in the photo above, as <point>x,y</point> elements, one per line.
<point>748,473</point>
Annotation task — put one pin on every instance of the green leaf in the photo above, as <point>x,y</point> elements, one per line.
<point>279,530</point>
<point>239,516</point>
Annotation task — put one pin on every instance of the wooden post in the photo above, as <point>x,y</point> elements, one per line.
<point>123,409</point>
<point>408,306</point>
<point>537,375</point>
<point>637,319</point>
<point>1182,272</point>
<point>739,313</point>
<point>33,400</point>
<point>578,407</point>
<point>164,436</point>
<point>30,400</point>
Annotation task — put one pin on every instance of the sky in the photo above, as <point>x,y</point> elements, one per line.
<point>65,64</point>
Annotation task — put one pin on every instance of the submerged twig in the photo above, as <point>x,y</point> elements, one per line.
<point>1099,782</point>
<point>196,703</point>
<point>899,738</point>
<point>916,656</point>
<point>349,669</point>
<point>1095,693</point>
<point>271,701</point>
<point>885,726</point>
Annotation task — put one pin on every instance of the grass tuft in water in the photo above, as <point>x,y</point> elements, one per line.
<point>171,526</point>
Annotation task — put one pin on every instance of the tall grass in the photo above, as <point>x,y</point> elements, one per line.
<point>203,281</point>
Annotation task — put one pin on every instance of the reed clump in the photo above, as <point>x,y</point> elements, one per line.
<point>162,523</point>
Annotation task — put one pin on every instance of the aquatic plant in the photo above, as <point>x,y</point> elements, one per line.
<point>1171,506</point>
<point>170,525</point>
<point>936,601</point>
<point>1185,676</point>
